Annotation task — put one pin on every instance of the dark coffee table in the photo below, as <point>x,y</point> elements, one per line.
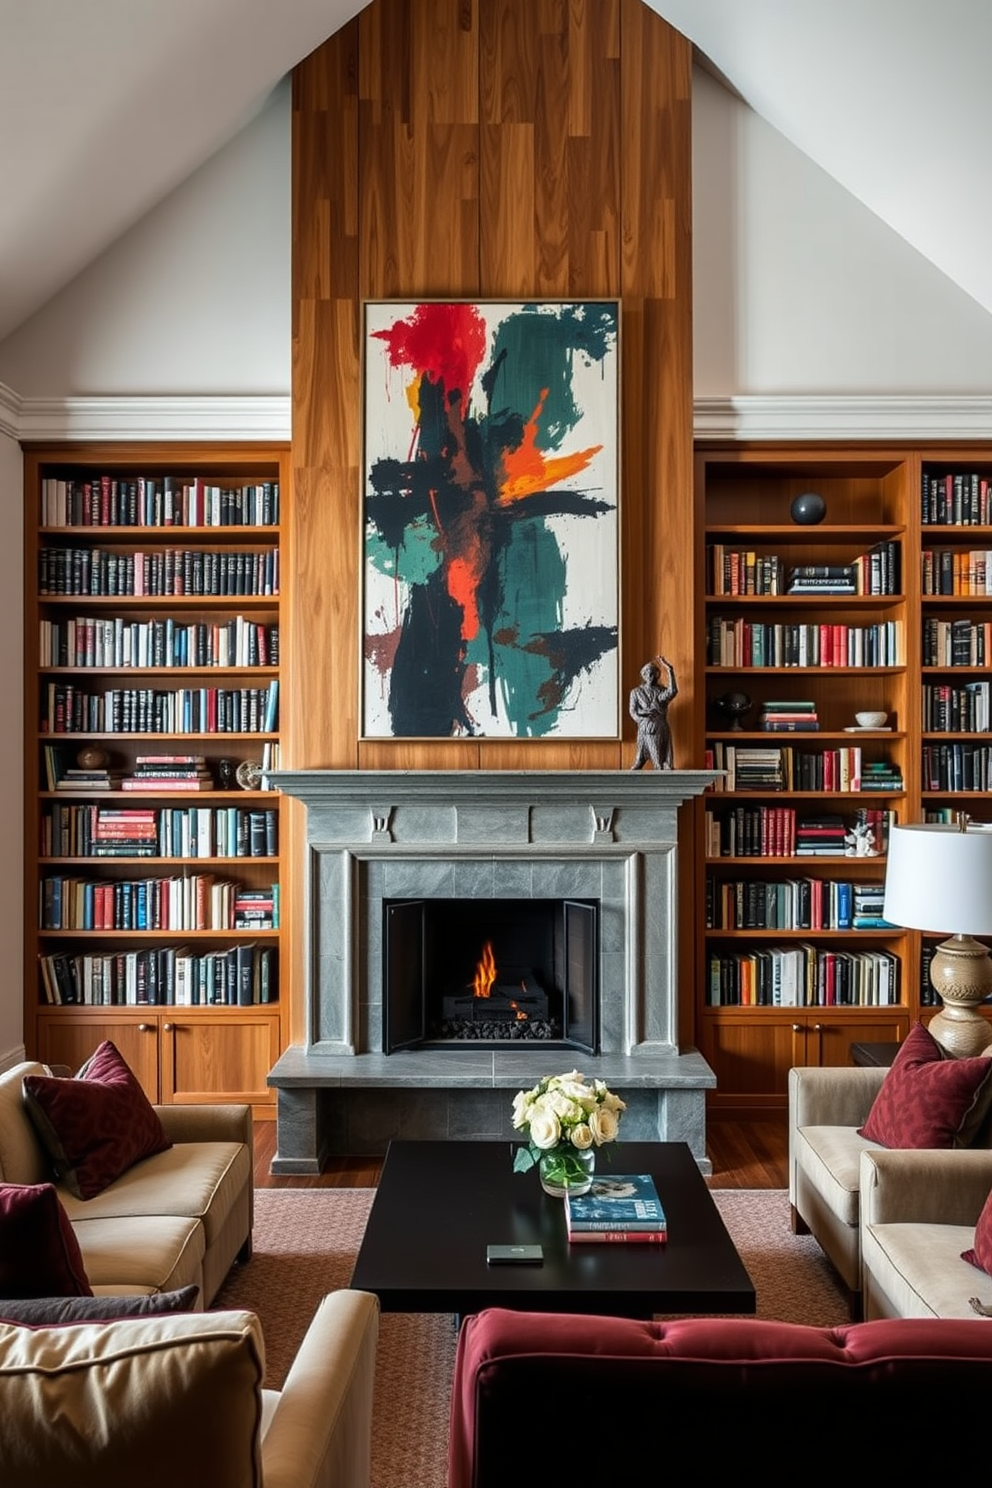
<point>439,1204</point>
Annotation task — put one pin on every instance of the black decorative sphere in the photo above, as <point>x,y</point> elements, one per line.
<point>734,706</point>
<point>808,509</point>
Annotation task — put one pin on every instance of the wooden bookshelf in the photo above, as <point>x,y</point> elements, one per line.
<point>156,917</point>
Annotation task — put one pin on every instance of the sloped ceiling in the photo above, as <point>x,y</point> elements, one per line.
<point>107,105</point>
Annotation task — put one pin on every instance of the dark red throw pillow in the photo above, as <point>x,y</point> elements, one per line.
<point>97,1125</point>
<point>928,1098</point>
<point>39,1252</point>
<point>980,1254</point>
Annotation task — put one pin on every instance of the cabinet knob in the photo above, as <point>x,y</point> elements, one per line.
<point>817,1027</point>
<point>797,1028</point>
<point>169,1027</point>
<point>144,1027</point>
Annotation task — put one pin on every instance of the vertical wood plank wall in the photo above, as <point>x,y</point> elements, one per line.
<point>491,148</point>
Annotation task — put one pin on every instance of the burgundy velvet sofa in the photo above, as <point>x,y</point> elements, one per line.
<point>542,1398</point>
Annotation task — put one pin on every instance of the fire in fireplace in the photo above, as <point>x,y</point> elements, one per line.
<point>514,971</point>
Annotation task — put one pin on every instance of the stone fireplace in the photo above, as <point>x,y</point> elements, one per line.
<point>576,877</point>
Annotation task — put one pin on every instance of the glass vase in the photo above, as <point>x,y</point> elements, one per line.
<point>566,1169</point>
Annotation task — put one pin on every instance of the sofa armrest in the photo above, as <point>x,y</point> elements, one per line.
<point>225,1123</point>
<point>832,1096</point>
<point>320,1435</point>
<point>924,1186</point>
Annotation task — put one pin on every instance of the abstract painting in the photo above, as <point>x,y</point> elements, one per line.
<point>491,586</point>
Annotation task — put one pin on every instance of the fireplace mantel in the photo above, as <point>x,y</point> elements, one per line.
<point>375,835</point>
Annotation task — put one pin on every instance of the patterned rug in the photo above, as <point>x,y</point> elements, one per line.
<point>305,1243</point>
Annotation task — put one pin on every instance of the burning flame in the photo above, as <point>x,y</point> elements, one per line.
<point>520,1015</point>
<point>485,972</point>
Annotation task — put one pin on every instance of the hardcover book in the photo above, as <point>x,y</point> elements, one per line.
<point>618,1206</point>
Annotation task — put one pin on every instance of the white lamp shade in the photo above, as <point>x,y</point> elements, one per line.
<point>939,878</point>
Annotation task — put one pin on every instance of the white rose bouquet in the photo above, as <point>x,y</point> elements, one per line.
<point>565,1118</point>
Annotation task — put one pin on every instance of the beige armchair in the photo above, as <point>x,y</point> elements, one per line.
<point>178,1399</point>
<point>826,1106</point>
<point>918,1213</point>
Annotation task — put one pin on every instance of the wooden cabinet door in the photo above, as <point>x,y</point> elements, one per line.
<point>751,1055</point>
<point>829,1042</point>
<point>213,1057</point>
<point>70,1038</point>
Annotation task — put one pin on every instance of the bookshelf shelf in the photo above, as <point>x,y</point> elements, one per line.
<point>197,1033</point>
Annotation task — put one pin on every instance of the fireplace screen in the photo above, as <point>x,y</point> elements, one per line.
<point>491,971</point>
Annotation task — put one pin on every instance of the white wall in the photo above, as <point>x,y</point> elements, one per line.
<point>194,299</point>
<point>800,289</point>
<point>11,755</point>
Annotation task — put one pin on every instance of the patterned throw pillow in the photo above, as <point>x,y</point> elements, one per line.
<point>39,1252</point>
<point>981,1253</point>
<point>97,1125</point>
<point>928,1098</point>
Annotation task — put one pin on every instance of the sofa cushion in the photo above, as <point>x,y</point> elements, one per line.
<point>50,1312</point>
<point>980,1253</point>
<point>155,1401</point>
<point>39,1252</point>
<point>149,1253</point>
<point>22,1157</point>
<point>95,1126</point>
<point>831,1158</point>
<point>916,1271</point>
<point>198,1180</point>
<point>928,1098</point>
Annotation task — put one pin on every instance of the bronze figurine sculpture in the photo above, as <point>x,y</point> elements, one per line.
<point>649,708</point>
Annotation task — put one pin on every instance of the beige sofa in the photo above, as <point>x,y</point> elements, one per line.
<point>826,1107</point>
<point>163,1401</point>
<point>176,1219</point>
<point>918,1213</point>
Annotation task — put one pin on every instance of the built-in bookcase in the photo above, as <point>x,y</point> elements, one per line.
<point>885,605</point>
<point>155,849</point>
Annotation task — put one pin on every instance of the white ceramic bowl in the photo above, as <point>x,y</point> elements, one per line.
<point>871,720</point>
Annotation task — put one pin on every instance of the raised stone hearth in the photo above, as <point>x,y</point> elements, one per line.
<point>606,837</point>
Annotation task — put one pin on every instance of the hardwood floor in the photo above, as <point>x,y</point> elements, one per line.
<point>744,1154</point>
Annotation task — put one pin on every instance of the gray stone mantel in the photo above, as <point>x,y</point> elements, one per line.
<point>607,835</point>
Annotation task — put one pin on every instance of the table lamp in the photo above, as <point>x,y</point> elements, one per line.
<point>939,878</point>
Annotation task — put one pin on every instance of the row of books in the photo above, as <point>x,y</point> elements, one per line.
<point>117,642</point>
<point>779,832</point>
<point>952,643</point>
<point>156,501</point>
<point>166,832</point>
<point>744,571</point>
<point>785,768</point>
<point>67,709</point>
<point>794,904</point>
<point>957,767</point>
<point>948,709</point>
<point>956,499</point>
<point>953,571</point>
<point>105,574</point>
<point>803,976</point>
<point>163,976</point>
<point>734,642</point>
<point>618,1208</point>
<point>195,901</point>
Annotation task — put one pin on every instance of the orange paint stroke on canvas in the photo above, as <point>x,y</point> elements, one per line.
<point>526,469</point>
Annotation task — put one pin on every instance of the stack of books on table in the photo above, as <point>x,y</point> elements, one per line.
<point>788,717</point>
<point>169,772</point>
<point>619,1207</point>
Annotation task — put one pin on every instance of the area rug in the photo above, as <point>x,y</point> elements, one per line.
<point>305,1243</point>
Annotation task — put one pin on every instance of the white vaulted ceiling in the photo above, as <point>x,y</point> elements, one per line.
<point>107,105</point>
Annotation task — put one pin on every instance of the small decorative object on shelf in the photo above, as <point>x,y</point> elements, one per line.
<point>92,758</point>
<point>871,720</point>
<point>649,709</point>
<point>859,842</point>
<point>225,773</point>
<point>565,1118</point>
<point>734,706</point>
<point>808,509</point>
<point>249,775</point>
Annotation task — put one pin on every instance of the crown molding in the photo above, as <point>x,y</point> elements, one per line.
<point>847,417</point>
<point>266,417</point>
<point>269,417</point>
